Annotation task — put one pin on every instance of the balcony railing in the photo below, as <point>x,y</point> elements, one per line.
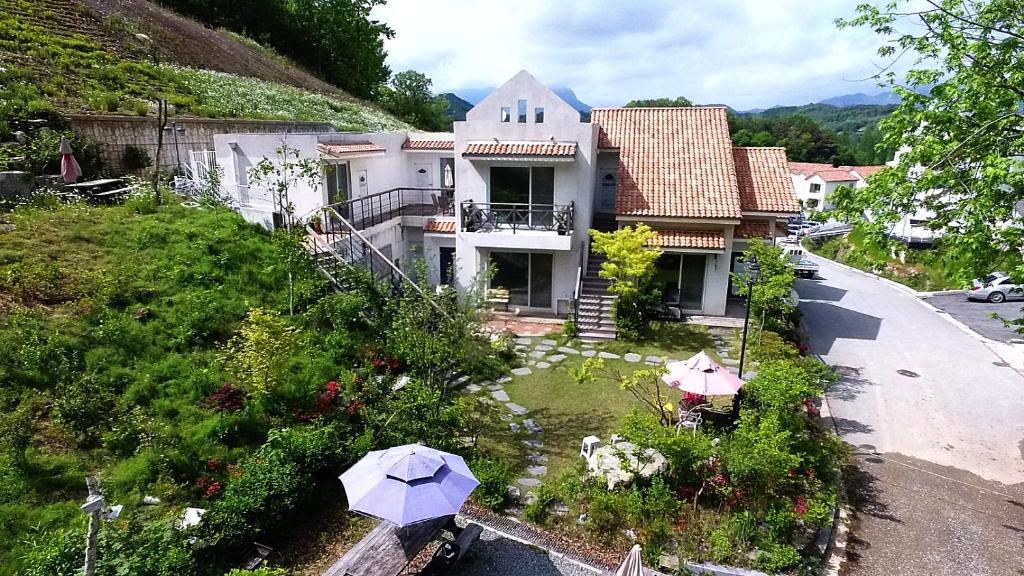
<point>479,217</point>
<point>368,211</point>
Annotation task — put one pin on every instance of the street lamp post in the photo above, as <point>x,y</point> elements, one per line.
<point>753,272</point>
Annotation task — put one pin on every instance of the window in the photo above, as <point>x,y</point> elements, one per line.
<point>336,178</point>
<point>812,202</point>
<point>523,185</point>
<point>815,188</point>
<point>526,276</point>
<point>506,114</point>
<point>680,277</point>
<point>538,115</point>
<point>522,111</point>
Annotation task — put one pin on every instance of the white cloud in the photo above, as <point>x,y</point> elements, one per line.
<point>745,53</point>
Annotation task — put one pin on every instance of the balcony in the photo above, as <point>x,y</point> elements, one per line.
<point>368,211</point>
<point>478,217</point>
<point>522,226</point>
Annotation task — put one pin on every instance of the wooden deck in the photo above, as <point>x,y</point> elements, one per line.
<point>387,549</point>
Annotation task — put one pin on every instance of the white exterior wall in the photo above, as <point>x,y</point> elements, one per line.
<point>574,181</point>
<point>802,188</point>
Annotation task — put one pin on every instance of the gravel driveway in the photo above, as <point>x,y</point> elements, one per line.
<point>977,315</point>
<point>493,555</point>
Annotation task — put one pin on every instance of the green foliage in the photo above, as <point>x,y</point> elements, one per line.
<point>781,385</point>
<point>408,96</point>
<point>959,122</point>
<point>803,139</point>
<point>778,557</point>
<point>135,158</point>
<point>630,268</point>
<point>258,355</point>
<point>57,554</point>
<point>539,509</point>
<point>679,102</point>
<point>769,298</point>
<point>264,571</point>
<point>495,477</point>
<point>336,38</point>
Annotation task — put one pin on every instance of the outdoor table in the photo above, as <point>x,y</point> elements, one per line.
<point>387,549</point>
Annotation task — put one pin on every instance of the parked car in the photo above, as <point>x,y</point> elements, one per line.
<point>979,282</point>
<point>999,290</point>
<point>802,267</point>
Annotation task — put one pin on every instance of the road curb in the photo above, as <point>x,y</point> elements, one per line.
<point>834,551</point>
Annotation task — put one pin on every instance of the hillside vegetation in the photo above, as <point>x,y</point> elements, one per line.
<point>71,57</point>
<point>151,346</point>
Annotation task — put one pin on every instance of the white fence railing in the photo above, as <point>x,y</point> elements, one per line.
<point>253,196</point>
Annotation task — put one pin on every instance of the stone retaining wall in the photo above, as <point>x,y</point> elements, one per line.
<point>114,133</point>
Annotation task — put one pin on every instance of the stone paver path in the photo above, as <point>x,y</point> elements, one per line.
<point>608,355</point>
<point>568,350</point>
<point>543,365</point>
<point>549,342</point>
<point>632,357</point>
<point>522,371</point>
<point>556,357</point>
<point>500,396</point>
<point>589,353</point>
<point>516,409</point>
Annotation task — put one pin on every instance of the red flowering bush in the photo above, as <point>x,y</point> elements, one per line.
<point>801,505</point>
<point>208,486</point>
<point>227,398</point>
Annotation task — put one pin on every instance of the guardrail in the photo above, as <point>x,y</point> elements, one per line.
<point>367,211</point>
<point>485,217</point>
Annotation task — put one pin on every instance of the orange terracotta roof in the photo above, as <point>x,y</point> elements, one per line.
<point>343,149</point>
<point>866,171</point>
<point>700,239</point>
<point>440,226</point>
<point>556,149</point>
<point>836,175</point>
<point>429,145</point>
<point>808,168</point>
<point>763,178</point>
<point>752,229</point>
<point>673,162</point>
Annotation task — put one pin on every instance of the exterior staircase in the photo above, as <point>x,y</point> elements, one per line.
<point>594,318</point>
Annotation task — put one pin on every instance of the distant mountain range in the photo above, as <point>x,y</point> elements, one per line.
<point>459,104</point>
<point>846,113</point>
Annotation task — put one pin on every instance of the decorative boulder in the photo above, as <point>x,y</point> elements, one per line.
<point>621,462</point>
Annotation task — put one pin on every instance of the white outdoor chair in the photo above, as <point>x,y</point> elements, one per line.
<point>689,419</point>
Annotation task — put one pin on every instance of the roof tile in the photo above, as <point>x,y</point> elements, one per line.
<point>342,149</point>
<point>443,145</point>
<point>555,149</point>
<point>749,229</point>
<point>673,162</point>
<point>440,226</point>
<point>700,239</point>
<point>764,181</point>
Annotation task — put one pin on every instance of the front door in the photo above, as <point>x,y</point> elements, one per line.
<point>447,262</point>
<point>606,186</point>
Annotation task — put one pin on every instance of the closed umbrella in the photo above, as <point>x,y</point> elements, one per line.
<point>633,565</point>
<point>70,171</point>
<point>408,484</point>
<point>701,375</point>
<point>449,178</point>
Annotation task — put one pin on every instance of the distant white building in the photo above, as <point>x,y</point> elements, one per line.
<point>813,182</point>
<point>522,180</point>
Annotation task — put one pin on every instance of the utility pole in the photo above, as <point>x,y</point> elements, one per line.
<point>93,507</point>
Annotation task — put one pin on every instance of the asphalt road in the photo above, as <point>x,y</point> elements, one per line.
<point>936,420</point>
<point>978,315</point>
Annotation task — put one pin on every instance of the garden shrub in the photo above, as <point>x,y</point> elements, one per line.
<point>135,158</point>
<point>58,553</point>
<point>777,557</point>
<point>538,510</point>
<point>495,477</point>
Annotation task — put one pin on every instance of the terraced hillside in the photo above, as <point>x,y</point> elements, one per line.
<point>88,56</point>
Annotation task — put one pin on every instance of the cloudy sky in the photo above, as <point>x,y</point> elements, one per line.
<point>744,53</point>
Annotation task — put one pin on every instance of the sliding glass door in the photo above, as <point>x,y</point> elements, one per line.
<point>526,276</point>
<point>527,187</point>
<point>680,277</point>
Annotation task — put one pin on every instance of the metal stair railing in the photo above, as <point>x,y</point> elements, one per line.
<point>339,241</point>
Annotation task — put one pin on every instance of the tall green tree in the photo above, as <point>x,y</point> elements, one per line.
<point>408,96</point>
<point>677,102</point>
<point>960,124</point>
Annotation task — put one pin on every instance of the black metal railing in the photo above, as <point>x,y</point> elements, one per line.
<point>335,243</point>
<point>485,217</point>
<point>368,211</point>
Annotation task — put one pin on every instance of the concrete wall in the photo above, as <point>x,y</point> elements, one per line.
<point>574,181</point>
<point>114,133</point>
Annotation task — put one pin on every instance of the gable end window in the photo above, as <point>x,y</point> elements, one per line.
<point>522,111</point>
<point>538,115</point>
<point>506,114</point>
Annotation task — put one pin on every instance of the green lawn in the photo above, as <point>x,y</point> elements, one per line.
<point>568,411</point>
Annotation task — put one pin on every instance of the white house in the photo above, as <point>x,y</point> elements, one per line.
<point>522,180</point>
<point>813,182</point>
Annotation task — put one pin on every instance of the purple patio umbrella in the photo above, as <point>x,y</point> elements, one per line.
<point>408,484</point>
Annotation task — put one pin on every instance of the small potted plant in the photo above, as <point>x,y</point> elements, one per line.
<point>317,223</point>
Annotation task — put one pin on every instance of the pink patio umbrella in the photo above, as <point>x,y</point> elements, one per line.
<point>69,168</point>
<point>701,375</point>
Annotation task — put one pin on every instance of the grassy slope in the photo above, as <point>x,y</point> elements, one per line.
<point>924,270</point>
<point>82,59</point>
<point>71,283</point>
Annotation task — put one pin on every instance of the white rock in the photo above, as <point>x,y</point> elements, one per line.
<point>568,350</point>
<point>589,353</point>
<point>522,371</point>
<point>556,358</point>
<point>631,357</point>
<point>608,355</point>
